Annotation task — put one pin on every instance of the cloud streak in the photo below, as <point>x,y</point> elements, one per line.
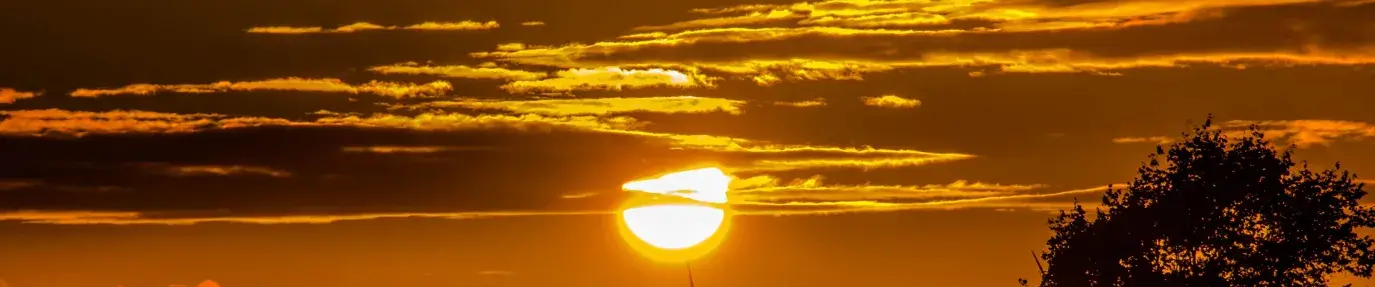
<point>1030,201</point>
<point>1023,39</point>
<point>1301,133</point>
<point>380,88</point>
<point>9,96</point>
<point>365,26</point>
<point>459,71</point>
<point>760,156</point>
<point>213,170</point>
<point>765,189</point>
<point>608,78</point>
<point>891,101</point>
<point>818,102</point>
<point>138,218</point>
<point>599,106</point>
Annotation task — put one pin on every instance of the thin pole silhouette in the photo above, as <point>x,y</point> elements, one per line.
<point>689,269</point>
<point>1038,262</point>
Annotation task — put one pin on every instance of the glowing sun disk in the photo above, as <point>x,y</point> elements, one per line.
<point>677,231</point>
<point>674,226</point>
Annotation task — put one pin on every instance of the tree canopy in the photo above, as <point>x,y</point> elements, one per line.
<point>1218,211</point>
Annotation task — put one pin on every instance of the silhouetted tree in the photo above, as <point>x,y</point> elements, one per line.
<point>1219,212</point>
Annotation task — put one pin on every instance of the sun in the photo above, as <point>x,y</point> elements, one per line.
<point>677,217</point>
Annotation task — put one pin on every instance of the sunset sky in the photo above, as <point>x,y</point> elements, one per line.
<point>266,143</point>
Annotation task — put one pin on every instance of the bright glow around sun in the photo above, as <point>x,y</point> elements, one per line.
<point>684,226</point>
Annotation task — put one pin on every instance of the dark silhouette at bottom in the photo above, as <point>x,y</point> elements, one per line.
<point>1224,208</point>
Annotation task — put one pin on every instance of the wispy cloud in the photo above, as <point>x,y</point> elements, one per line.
<point>462,25</point>
<point>864,163</point>
<point>1301,133</point>
<point>381,88</point>
<point>213,170</point>
<point>761,156</point>
<point>8,95</point>
<point>496,273</point>
<point>365,26</point>
<point>802,104</point>
<point>608,78</point>
<point>600,106</point>
<point>578,195</point>
<point>511,47</point>
<point>1156,139</point>
<point>766,188</point>
<point>1032,201</point>
<point>394,149</point>
<point>142,218</point>
<point>532,23</point>
<point>647,35</point>
<point>1005,15</point>
<point>1015,37</point>
<point>78,123</point>
<point>891,101</point>
<point>749,19</point>
<point>459,71</point>
<point>1304,133</point>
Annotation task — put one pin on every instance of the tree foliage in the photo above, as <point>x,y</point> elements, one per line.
<point>1218,212</point>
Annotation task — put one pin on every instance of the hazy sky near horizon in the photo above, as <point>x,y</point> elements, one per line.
<point>483,143</point>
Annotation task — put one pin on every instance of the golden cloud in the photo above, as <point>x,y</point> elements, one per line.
<point>143,218</point>
<point>774,199</point>
<point>1003,46</point>
<point>511,47</point>
<point>573,55</point>
<point>461,25</point>
<point>78,123</point>
<point>365,26</point>
<point>891,101</point>
<point>579,195</point>
<point>1005,15</point>
<point>878,20</point>
<point>390,89</point>
<point>459,71</point>
<point>1301,133</point>
<point>863,163</point>
<point>649,35</point>
<point>802,104</point>
<point>1156,139</point>
<point>608,78</point>
<point>765,156</point>
<point>389,149</point>
<point>736,9</point>
<point>532,23</point>
<point>1031,11</point>
<point>752,18</point>
<point>496,273</point>
<point>285,30</point>
<point>8,95</point>
<point>991,201</point>
<point>1304,133</point>
<point>455,121</point>
<point>601,106</point>
<point>360,26</point>
<point>765,188</point>
<point>214,170</point>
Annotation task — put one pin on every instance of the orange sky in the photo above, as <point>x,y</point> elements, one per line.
<point>424,143</point>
